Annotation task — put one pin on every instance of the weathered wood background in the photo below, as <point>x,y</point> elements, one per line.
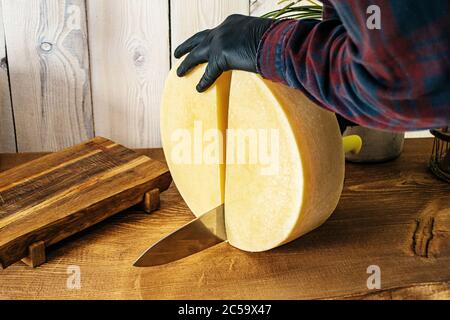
<point>73,69</point>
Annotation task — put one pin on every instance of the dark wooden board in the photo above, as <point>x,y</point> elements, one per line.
<point>382,219</point>
<point>63,193</point>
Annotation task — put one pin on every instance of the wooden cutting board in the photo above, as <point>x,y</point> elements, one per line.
<point>45,201</point>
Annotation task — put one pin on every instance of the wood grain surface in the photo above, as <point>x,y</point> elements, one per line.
<point>49,72</point>
<point>60,194</point>
<point>395,215</point>
<point>7,131</point>
<point>129,46</point>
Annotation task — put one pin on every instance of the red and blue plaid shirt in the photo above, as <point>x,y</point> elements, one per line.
<point>396,78</point>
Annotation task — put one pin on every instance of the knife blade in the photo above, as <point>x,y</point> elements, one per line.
<point>198,235</point>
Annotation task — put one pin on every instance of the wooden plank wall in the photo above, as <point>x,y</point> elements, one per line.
<point>129,43</point>
<point>7,131</point>
<point>46,41</point>
<point>80,68</point>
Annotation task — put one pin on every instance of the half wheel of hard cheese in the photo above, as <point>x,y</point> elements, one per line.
<point>284,167</point>
<point>291,189</point>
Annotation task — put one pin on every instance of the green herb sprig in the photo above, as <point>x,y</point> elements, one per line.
<point>297,9</point>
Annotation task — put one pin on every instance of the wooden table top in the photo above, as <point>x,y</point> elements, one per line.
<point>394,215</point>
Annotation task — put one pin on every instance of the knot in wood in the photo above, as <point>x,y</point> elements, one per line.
<point>4,63</point>
<point>139,59</point>
<point>46,46</point>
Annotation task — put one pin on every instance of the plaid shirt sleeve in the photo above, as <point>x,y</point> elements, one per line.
<point>396,78</point>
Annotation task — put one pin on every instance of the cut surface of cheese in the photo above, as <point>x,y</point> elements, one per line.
<point>192,131</point>
<point>296,186</point>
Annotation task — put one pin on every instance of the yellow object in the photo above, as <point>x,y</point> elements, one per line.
<point>263,211</point>
<point>284,167</point>
<point>352,144</point>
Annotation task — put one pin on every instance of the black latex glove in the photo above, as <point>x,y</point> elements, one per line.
<point>231,46</point>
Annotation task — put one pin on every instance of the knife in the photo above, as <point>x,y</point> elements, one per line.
<point>198,235</point>
<point>205,231</point>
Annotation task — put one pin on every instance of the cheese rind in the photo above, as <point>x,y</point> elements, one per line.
<point>263,211</point>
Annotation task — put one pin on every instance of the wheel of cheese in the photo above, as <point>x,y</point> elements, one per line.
<point>265,209</point>
<point>284,167</point>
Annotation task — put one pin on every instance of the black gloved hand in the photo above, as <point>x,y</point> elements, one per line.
<point>231,46</point>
